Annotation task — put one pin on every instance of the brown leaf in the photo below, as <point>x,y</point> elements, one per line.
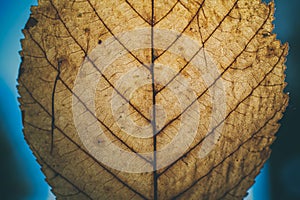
<point>151,99</point>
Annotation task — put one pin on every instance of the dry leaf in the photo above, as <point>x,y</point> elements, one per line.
<point>151,99</point>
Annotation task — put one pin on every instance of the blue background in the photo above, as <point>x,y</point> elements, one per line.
<point>20,175</point>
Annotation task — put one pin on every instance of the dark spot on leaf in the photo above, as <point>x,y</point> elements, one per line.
<point>266,34</point>
<point>86,30</point>
<point>106,188</point>
<point>264,153</point>
<point>271,51</point>
<point>30,23</point>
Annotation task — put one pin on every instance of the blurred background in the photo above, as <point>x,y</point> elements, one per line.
<point>20,175</point>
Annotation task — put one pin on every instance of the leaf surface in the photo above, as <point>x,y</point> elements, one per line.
<point>151,99</point>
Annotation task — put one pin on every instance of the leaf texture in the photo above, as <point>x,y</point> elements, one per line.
<point>167,99</point>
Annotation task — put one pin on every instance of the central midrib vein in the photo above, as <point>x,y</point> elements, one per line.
<point>153,122</point>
